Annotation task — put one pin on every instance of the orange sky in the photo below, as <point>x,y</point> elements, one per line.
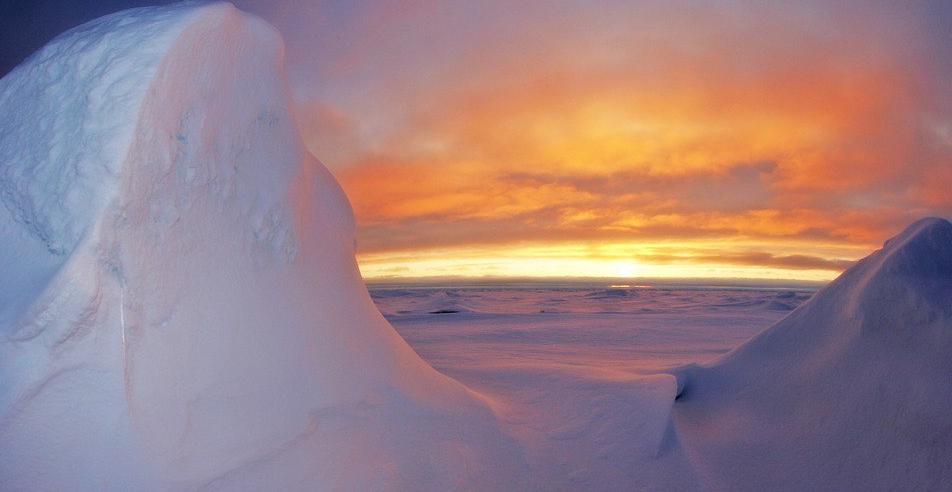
<point>733,139</point>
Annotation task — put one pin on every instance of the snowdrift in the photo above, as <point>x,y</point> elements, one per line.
<point>851,391</point>
<point>180,304</point>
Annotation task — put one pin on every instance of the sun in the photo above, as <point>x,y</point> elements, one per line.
<point>625,269</point>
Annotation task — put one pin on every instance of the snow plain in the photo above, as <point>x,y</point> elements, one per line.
<point>181,310</point>
<point>588,330</point>
<point>573,371</point>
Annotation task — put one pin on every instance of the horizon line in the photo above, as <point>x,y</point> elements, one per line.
<point>616,282</point>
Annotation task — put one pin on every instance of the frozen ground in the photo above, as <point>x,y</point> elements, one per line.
<point>570,368</point>
<point>589,330</point>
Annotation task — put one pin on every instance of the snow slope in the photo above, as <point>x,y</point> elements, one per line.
<point>180,306</point>
<point>851,391</point>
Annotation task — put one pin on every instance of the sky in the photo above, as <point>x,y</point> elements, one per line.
<point>723,138</point>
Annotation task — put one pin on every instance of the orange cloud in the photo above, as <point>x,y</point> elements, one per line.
<point>800,126</point>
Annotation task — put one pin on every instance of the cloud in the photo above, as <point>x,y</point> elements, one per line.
<point>489,123</point>
<point>799,262</point>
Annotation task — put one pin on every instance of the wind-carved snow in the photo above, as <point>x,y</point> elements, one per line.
<point>849,392</point>
<point>122,315</point>
<point>181,305</point>
<point>181,309</point>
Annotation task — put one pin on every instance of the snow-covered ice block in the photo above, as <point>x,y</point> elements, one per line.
<point>180,303</point>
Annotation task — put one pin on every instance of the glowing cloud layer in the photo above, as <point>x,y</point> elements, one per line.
<point>731,139</point>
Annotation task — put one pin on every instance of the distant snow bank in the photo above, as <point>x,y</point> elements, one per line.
<point>851,391</point>
<point>180,304</point>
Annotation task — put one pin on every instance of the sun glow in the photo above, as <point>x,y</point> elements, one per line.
<point>685,259</point>
<point>816,142</point>
<point>626,270</point>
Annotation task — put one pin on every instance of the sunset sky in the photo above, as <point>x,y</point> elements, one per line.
<point>630,139</point>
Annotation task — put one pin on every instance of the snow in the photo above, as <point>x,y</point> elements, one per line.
<point>850,391</point>
<point>181,310</point>
<point>577,328</point>
<point>572,371</point>
<point>181,307</point>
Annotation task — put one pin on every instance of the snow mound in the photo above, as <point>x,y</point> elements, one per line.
<point>849,392</point>
<point>181,308</point>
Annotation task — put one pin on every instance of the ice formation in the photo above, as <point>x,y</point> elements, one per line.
<point>851,391</point>
<point>180,304</point>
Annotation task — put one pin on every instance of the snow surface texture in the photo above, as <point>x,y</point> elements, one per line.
<point>181,307</point>
<point>851,391</point>
<point>573,371</point>
<point>468,332</point>
<point>181,310</point>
